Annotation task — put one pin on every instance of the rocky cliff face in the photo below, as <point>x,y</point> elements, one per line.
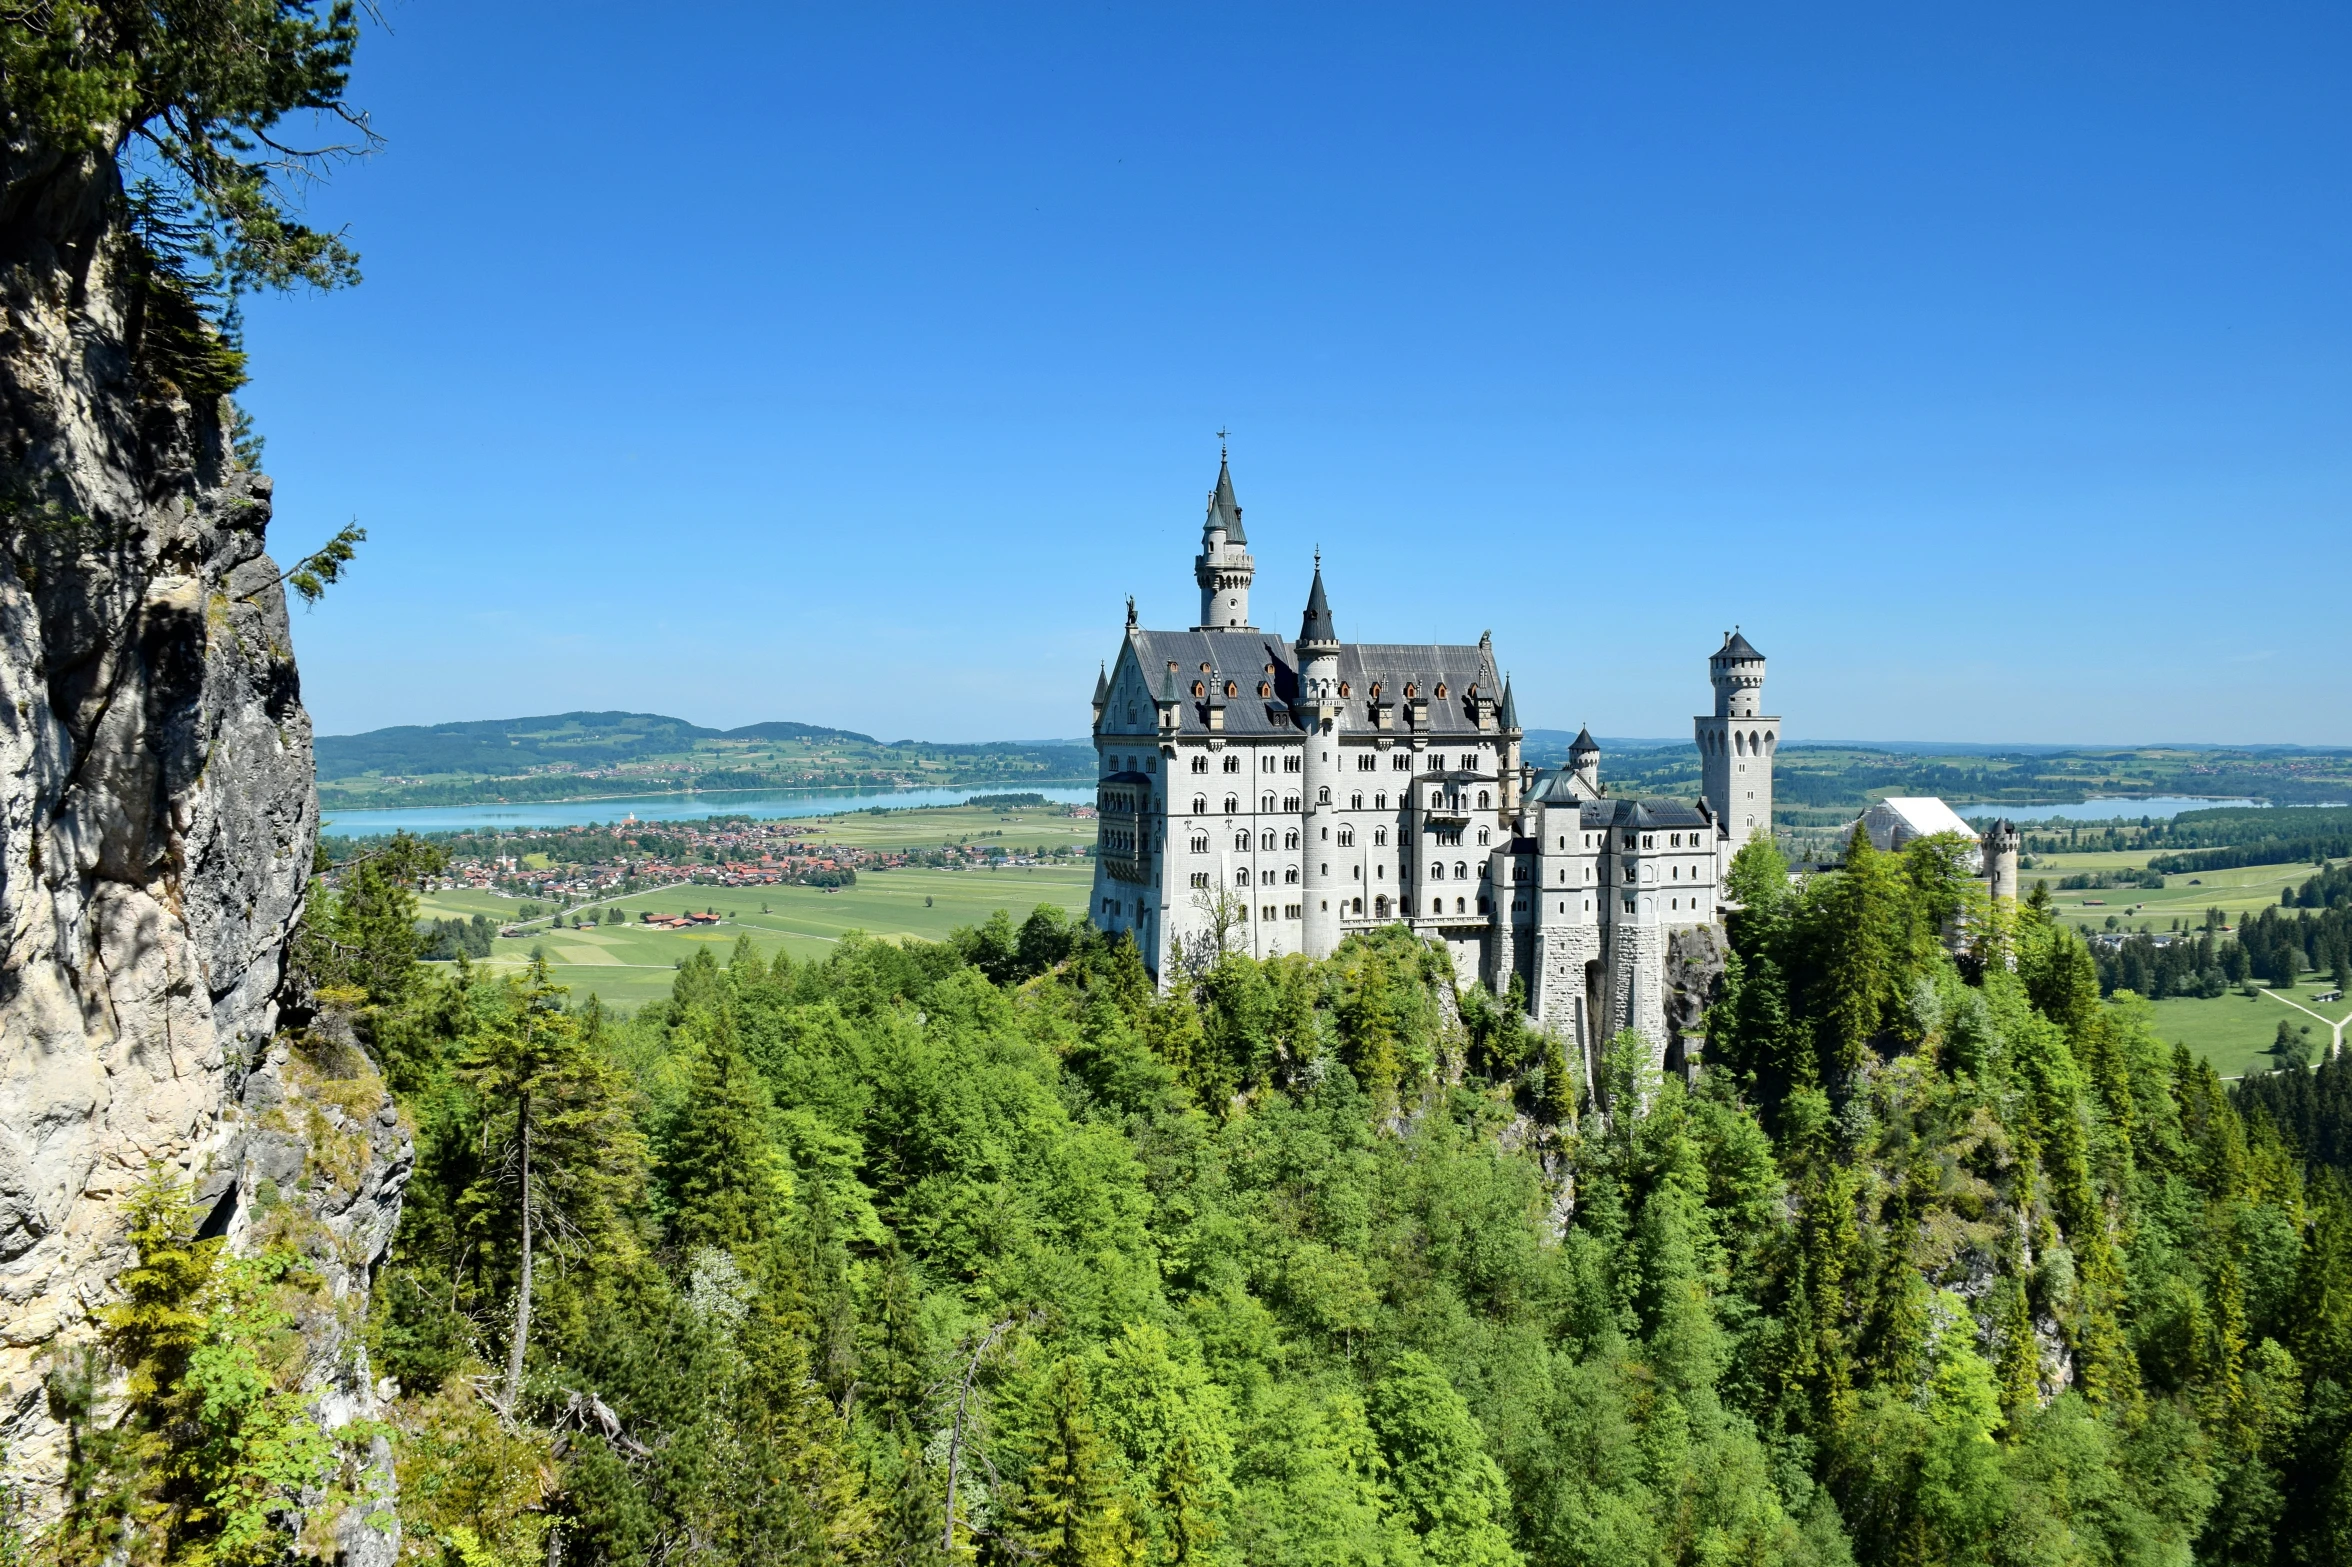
<point>157,821</point>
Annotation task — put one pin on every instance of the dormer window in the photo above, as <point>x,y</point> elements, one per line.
<point>1265,688</point>
<point>1441,691</point>
<point>1199,690</point>
<point>1375,690</point>
<point>1411,691</point>
<point>1343,688</point>
<point>1231,689</point>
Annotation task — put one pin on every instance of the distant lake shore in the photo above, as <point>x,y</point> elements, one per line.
<point>759,804</point>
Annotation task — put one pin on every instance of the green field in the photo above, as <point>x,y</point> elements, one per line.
<point>628,965</point>
<point>2235,1031</point>
<point>2235,892</point>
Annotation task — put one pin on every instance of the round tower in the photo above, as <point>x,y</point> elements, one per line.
<point>1317,712</point>
<point>1224,568</point>
<point>2001,842</point>
<point>1737,743</point>
<point>1584,764</point>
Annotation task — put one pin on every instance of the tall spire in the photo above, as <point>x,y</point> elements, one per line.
<point>1317,631</point>
<point>1224,510</point>
<point>1508,718</point>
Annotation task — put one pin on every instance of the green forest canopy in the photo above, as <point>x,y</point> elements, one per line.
<point>1939,1260</point>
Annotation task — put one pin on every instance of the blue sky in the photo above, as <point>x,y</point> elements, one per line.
<point>1988,365</point>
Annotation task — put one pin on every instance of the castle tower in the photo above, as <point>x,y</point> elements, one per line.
<point>1507,724</point>
<point>1317,711</point>
<point>1224,567</point>
<point>1584,765</point>
<point>2001,841</point>
<point>1737,743</point>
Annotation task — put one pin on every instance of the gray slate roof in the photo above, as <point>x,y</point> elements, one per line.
<point>1224,510</point>
<point>1736,646</point>
<point>1243,656</point>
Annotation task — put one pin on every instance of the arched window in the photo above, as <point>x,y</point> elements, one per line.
<point>1437,870</point>
<point>1461,905</point>
<point>1265,688</point>
<point>1233,764</point>
<point>1232,804</point>
<point>1241,841</point>
<point>1380,906</point>
<point>1482,837</point>
<point>1347,837</point>
<point>1437,905</point>
<point>1461,871</point>
<point>1436,799</point>
<point>1200,805</point>
<point>1380,802</point>
<point>1290,840</point>
<point>1380,837</point>
<point>1740,743</point>
<point>1200,764</point>
<point>1355,802</point>
<point>1359,907</point>
<point>1323,795</point>
<point>1266,803</point>
<point>1200,843</point>
<point>1232,688</point>
<point>1241,878</point>
<point>1401,761</point>
<point>1290,876</point>
<point>1199,689</point>
<point>1483,799</point>
<point>1290,802</point>
<point>1266,840</point>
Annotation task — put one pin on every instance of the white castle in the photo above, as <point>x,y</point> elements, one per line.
<point>1285,793</point>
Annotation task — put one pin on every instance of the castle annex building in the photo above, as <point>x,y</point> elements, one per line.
<point>1284,793</point>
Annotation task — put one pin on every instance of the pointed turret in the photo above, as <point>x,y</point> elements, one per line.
<point>1224,568</point>
<point>1102,693</point>
<point>1316,632</point>
<point>1584,764</point>
<point>1583,745</point>
<point>1508,718</point>
<point>1224,510</point>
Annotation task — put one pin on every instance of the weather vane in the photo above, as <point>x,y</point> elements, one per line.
<point>1221,434</point>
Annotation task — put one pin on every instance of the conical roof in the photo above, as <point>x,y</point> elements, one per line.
<point>1737,647</point>
<point>1224,510</point>
<point>1102,685</point>
<point>1508,718</point>
<point>1317,629</point>
<point>1584,744</point>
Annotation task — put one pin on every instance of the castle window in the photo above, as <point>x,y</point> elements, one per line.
<point>1629,873</point>
<point>1291,764</point>
<point>1323,795</point>
<point>1462,871</point>
<point>1269,803</point>
<point>1151,764</point>
<point>1483,800</point>
<point>1355,802</point>
<point>1200,805</point>
<point>1241,841</point>
<point>1358,908</point>
<point>1437,870</point>
<point>1290,802</point>
<point>1649,840</point>
<point>1401,762</point>
<point>1629,905</point>
<point>1347,837</point>
<point>1290,911</point>
<point>1380,837</point>
<point>1232,804</point>
<point>1200,764</point>
<point>1290,839</point>
<point>1380,801</point>
<point>1563,873</point>
<point>1380,907</point>
<point>1200,843</point>
<point>1241,878</point>
<point>1469,758</point>
<point>1482,837</point>
<point>1266,841</point>
<point>1266,763</point>
<point>1290,876</point>
<point>1200,879</point>
<point>1436,799</point>
<point>1233,764</point>
<point>1367,762</point>
<point>1461,905</point>
<point>1267,877</point>
<point>1437,905</point>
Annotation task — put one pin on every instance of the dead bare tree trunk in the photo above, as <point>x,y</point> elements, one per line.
<point>955,1442</point>
<point>522,1332</point>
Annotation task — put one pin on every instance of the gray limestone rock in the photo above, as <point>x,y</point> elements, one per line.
<point>157,822</point>
<point>1694,975</point>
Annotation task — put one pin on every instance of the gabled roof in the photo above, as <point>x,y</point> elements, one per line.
<point>1224,510</point>
<point>1242,657</point>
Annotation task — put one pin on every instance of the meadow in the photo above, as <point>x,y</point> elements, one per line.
<point>629,964</point>
<point>2234,1032</point>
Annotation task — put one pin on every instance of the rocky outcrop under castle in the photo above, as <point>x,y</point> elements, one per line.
<point>157,824</point>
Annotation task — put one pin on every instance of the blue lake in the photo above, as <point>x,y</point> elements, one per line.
<point>2161,806</point>
<point>759,804</point>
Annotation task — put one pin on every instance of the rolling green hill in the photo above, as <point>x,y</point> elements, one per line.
<point>582,755</point>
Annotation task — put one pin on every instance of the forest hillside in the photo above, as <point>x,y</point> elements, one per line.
<point>987,1251</point>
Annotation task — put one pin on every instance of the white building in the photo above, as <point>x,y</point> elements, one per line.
<point>1301,790</point>
<point>1901,819</point>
